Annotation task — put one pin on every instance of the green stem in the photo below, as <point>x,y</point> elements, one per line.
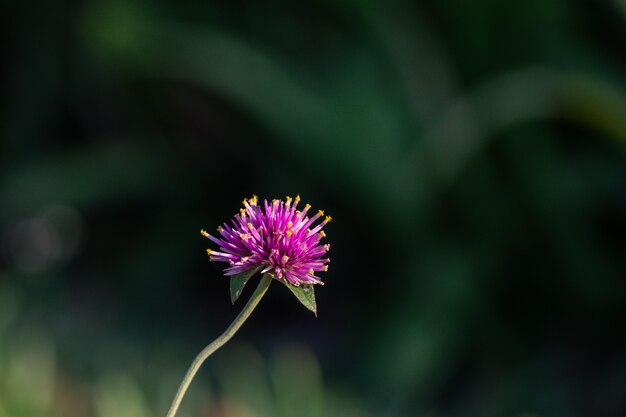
<point>217,343</point>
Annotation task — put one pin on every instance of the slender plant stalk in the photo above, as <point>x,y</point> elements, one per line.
<point>217,343</point>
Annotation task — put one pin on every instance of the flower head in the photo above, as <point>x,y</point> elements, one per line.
<point>275,237</point>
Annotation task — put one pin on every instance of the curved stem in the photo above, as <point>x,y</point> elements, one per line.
<point>217,343</point>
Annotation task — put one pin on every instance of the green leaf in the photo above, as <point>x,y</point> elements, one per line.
<point>237,282</point>
<point>306,295</point>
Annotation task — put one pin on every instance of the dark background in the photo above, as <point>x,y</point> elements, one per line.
<point>471,153</point>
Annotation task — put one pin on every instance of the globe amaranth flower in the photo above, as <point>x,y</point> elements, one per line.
<point>277,238</point>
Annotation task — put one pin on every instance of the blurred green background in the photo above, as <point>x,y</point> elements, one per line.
<point>472,155</point>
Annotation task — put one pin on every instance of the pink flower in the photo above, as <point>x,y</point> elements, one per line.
<point>276,238</point>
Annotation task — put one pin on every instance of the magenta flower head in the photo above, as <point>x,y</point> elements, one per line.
<point>274,238</point>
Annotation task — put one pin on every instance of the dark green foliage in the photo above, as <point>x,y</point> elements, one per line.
<point>472,155</point>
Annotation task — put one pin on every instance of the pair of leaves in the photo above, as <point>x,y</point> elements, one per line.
<point>304,293</point>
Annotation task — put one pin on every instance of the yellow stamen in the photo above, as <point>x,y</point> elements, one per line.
<point>209,252</point>
<point>328,219</point>
<point>220,229</point>
<point>298,198</point>
<point>321,212</point>
<point>289,224</point>
<point>242,211</point>
<point>245,201</point>
<point>322,234</point>
<point>307,207</point>
<point>250,226</point>
<point>289,199</point>
<point>254,200</point>
<point>204,233</point>
<point>311,272</point>
<point>285,259</point>
<point>289,233</point>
